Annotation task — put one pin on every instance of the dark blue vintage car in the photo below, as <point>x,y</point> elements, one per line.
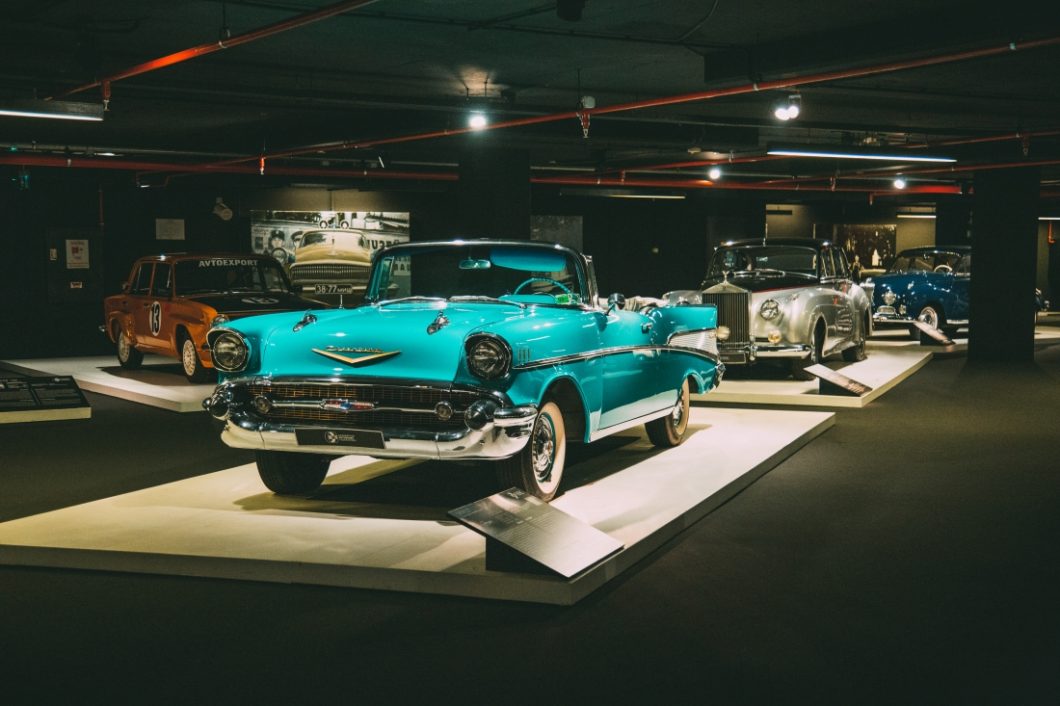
<point>928,284</point>
<point>491,350</point>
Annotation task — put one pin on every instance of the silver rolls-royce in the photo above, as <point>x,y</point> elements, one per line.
<point>789,299</point>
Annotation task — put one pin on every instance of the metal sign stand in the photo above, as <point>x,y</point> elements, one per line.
<point>938,338</point>
<point>835,383</point>
<point>527,535</point>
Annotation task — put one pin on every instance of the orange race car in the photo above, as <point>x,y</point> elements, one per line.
<point>169,303</point>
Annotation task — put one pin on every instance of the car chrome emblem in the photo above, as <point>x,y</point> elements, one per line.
<point>344,405</point>
<point>374,355</point>
<point>438,324</point>
<point>331,437</point>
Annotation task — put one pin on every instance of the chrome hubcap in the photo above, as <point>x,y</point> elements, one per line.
<point>123,346</point>
<point>930,317</point>
<point>679,411</point>
<point>544,448</point>
<point>188,356</point>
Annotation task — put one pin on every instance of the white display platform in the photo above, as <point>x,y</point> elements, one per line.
<point>227,525</point>
<point>160,382</point>
<point>885,367</point>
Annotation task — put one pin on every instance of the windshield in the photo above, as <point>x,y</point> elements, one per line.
<point>505,273</point>
<point>750,260</point>
<point>925,262</point>
<point>228,274</point>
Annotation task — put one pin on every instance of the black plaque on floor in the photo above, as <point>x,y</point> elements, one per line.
<point>39,399</point>
<point>938,338</point>
<point>836,383</point>
<point>527,535</point>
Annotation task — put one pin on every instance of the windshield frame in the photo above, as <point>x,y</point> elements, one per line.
<point>260,264</point>
<point>581,269</point>
<point>746,249</point>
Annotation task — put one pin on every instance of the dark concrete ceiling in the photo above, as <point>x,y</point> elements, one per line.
<point>397,67</point>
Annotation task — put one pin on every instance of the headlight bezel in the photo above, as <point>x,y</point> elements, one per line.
<point>221,337</point>
<point>769,309</point>
<point>488,344</point>
<point>889,297</point>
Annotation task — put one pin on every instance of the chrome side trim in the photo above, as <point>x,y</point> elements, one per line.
<point>616,350</point>
<point>608,431</point>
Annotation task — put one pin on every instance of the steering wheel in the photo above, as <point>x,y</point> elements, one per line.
<point>943,269</point>
<point>542,279</point>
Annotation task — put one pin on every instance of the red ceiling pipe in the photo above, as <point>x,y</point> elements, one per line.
<point>204,49</point>
<point>677,99</point>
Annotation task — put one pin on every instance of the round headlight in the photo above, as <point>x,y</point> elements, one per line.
<point>889,298</point>
<point>229,352</point>
<point>723,333</point>
<point>769,310</point>
<point>488,357</point>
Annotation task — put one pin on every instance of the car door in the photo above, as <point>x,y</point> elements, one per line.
<point>845,308</point>
<point>159,333</point>
<point>631,385</point>
<point>828,302</point>
<point>140,304</point>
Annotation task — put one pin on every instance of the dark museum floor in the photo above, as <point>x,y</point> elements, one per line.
<point>909,555</point>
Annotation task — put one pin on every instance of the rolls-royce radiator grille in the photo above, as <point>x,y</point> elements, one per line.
<point>398,407</point>
<point>344,274</point>
<point>733,312</point>
<point>700,340</point>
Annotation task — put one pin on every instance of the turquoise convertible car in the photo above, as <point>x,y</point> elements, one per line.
<point>476,349</point>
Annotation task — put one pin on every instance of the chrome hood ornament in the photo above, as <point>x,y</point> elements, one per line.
<point>306,320</point>
<point>438,324</point>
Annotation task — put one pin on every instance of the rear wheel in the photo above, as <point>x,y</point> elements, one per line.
<point>799,365</point>
<point>194,370</point>
<point>128,357</point>
<point>291,473</point>
<point>670,430</point>
<point>538,468</point>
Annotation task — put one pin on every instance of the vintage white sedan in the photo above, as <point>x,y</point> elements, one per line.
<point>789,299</point>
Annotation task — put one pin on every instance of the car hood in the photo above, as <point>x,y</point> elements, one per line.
<point>761,283</point>
<point>251,303</point>
<point>398,340</point>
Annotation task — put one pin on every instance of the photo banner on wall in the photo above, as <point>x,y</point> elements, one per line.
<point>326,252</point>
<point>871,247</point>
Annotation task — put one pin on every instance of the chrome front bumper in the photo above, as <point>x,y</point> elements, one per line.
<point>743,354</point>
<point>493,443</point>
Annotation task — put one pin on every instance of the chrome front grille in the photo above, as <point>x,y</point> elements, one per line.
<point>734,312</point>
<point>396,406</point>
<point>356,275</point>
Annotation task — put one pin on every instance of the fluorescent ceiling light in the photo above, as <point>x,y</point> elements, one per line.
<point>53,110</point>
<point>599,192</point>
<point>1049,218</point>
<point>672,197</point>
<point>846,154</point>
<point>917,215</point>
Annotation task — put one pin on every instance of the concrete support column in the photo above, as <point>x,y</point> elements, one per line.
<point>951,220</point>
<point>493,196</point>
<point>1004,250</point>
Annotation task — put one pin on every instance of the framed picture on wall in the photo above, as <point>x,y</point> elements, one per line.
<point>871,246</point>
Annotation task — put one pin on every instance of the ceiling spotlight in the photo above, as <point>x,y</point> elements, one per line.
<point>899,182</point>
<point>714,173</point>
<point>477,121</point>
<point>788,108</point>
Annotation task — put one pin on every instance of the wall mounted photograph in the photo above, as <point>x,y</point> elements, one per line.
<point>326,252</point>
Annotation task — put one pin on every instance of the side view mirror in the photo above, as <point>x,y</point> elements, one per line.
<point>124,287</point>
<point>616,301</point>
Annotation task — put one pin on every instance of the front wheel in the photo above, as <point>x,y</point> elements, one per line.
<point>286,473</point>
<point>194,370</point>
<point>799,365</point>
<point>932,317</point>
<point>128,357</point>
<point>857,351</point>
<point>538,468</point>
<point>670,430</point>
